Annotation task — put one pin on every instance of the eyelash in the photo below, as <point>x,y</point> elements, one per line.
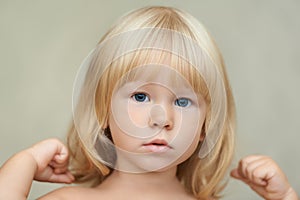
<point>143,97</point>
<point>187,101</point>
<point>135,96</point>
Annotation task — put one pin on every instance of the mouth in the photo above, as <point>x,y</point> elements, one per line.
<point>157,146</point>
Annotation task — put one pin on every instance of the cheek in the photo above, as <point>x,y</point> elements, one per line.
<point>138,115</point>
<point>191,122</point>
<point>121,139</point>
<point>130,118</point>
<point>192,147</point>
<point>188,131</point>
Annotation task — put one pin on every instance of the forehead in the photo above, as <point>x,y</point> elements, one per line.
<point>154,65</point>
<point>155,74</point>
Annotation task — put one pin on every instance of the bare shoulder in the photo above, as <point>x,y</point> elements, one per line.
<point>70,193</point>
<point>79,193</point>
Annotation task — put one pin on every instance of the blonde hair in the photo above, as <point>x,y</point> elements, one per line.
<point>201,177</point>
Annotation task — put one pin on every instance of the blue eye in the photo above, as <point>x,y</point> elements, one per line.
<point>182,102</point>
<point>140,97</point>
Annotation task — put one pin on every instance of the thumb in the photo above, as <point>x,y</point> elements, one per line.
<point>235,174</point>
<point>61,154</point>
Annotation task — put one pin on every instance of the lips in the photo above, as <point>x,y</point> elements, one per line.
<point>157,145</point>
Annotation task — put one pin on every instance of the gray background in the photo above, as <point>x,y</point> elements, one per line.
<point>42,44</point>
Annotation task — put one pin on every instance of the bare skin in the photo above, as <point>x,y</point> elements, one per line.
<point>160,186</point>
<point>47,161</point>
<point>265,177</point>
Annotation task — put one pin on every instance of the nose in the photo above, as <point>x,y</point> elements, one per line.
<point>161,116</point>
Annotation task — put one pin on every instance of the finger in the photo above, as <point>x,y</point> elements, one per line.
<point>54,164</point>
<point>244,164</point>
<point>236,174</point>
<point>44,152</point>
<point>241,171</point>
<point>254,173</point>
<point>61,178</point>
<point>62,154</point>
<point>48,175</point>
<point>263,172</point>
<point>61,159</point>
<point>60,170</point>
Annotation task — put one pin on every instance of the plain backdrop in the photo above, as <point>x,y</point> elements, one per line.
<point>42,44</point>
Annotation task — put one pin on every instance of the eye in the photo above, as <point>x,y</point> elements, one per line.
<point>140,97</point>
<point>182,102</point>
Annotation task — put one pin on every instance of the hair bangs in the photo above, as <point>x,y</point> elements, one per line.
<point>148,64</point>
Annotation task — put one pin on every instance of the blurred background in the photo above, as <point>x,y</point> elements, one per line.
<point>42,44</point>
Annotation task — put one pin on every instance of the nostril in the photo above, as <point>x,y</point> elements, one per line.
<point>159,117</point>
<point>155,124</point>
<point>168,125</point>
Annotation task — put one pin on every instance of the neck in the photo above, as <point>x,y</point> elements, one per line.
<point>149,180</point>
<point>150,185</point>
<point>149,177</point>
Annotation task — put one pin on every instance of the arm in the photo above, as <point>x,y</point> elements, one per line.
<point>45,161</point>
<point>265,177</point>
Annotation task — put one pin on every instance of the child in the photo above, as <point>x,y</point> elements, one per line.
<point>153,119</point>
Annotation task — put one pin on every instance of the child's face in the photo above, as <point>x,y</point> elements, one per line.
<point>155,124</point>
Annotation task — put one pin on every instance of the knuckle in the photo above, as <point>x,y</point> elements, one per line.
<point>243,162</point>
<point>256,173</point>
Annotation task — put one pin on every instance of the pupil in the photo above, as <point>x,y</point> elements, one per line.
<point>140,97</point>
<point>182,102</point>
